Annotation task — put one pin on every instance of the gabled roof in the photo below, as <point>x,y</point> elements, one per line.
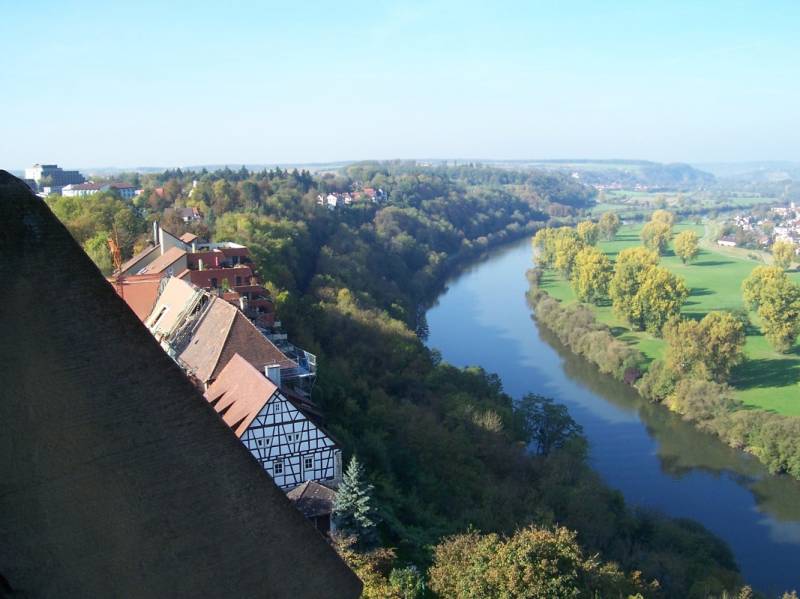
<point>121,481</point>
<point>223,331</point>
<point>171,307</point>
<point>139,292</point>
<point>164,261</point>
<point>127,265</point>
<point>312,499</point>
<point>239,393</point>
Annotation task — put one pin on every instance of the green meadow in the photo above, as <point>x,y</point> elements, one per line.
<point>768,380</point>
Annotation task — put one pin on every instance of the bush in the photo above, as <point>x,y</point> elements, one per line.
<point>577,328</point>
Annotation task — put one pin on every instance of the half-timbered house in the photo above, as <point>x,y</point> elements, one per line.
<point>289,445</point>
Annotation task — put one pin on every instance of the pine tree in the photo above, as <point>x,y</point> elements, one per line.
<point>353,512</point>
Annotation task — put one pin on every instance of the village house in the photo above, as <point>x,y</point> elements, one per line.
<point>126,191</point>
<point>290,446</point>
<point>225,268</point>
<point>201,331</point>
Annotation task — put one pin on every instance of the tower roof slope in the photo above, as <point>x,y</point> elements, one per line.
<point>117,478</point>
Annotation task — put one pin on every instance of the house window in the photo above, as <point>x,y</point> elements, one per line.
<point>238,281</point>
<point>277,467</point>
<point>260,442</point>
<point>214,282</point>
<point>308,463</point>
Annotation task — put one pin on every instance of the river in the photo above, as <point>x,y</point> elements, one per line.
<point>654,458</point>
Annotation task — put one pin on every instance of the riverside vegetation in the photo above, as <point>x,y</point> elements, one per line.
<point>687,361</point>
<point>463,483</point>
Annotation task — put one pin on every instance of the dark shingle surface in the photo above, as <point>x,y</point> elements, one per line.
<point>117,479</point>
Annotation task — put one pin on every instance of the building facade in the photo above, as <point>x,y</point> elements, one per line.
<point>290,446</point>
<point>52,175</point>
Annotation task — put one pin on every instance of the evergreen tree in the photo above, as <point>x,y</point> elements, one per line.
<point>353,512</point>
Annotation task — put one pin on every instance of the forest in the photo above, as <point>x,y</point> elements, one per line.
<point>456,468</point>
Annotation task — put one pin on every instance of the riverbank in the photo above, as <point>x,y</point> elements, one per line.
<point>773,438</point>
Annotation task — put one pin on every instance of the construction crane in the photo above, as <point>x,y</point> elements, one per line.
<point>116,257</point>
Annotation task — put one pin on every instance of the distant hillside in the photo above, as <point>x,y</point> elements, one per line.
<point>627,173</point>
<point>760,172</point>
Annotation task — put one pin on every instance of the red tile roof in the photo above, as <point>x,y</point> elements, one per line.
<point>188,237</point>
<point>223,331</point>
<point>139,292</point>
<point>239,393</point>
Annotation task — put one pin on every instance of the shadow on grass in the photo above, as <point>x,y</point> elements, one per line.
<point>696,291</point>
<point>766,372</point>
<point>712,263</point>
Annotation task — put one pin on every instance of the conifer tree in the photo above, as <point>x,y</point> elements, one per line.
<point>353,512</point>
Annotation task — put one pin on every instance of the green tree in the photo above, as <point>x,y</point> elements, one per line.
<point>543,243</point>
<point>687,246</point>
<point>655,236</point>
<point>589,232</point>
<point>534,563</point>
<point>407,582</point>
<point>97,249</point>
<point>780,313</point>
<point>547,425</point>
<point>663,216</point>
<point>591,275</point>
<point>658,299</point>
<point>759,280</point>
<point>707,349</point>
<point>567,245</point>
<point>629,271</point>
<point>783,253</point>
<point>353,511</point>
<point>609,225</point>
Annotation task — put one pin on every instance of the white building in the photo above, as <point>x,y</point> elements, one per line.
<point>126,191</point>
<point>289,446</point>
<point>55,176</point>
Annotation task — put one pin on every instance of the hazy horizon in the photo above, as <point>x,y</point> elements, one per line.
<point>108,86</point>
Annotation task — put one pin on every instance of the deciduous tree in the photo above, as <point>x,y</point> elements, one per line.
<point>663,216</point>
<point>655,236</point>
<point>609,225</point>
<point>567,245</point>
<point>707,349</point>
<point>754,286</point>
<point>591,275</point>
<point>659,298</point>
<point>548,425</point>
<point>534,563</point>
<point>629,271</point>
<point>687,246</point>
<point>783,253</point>
<point>589,232</point>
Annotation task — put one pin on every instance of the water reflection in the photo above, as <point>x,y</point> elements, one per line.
<point>650,454</point>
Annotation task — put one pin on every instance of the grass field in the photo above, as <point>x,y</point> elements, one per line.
<point>767,380</point>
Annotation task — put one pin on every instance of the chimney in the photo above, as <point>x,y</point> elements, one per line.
<point>155,233</point>
<point>273,372</point>
<point>243,303</point>
<point>194,246</point>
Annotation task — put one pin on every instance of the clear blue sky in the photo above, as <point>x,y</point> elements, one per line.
<point>176,83</point>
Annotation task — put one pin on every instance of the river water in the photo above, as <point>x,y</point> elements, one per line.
<point>649,454</point>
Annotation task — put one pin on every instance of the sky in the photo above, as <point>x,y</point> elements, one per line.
<point>153,83</point>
